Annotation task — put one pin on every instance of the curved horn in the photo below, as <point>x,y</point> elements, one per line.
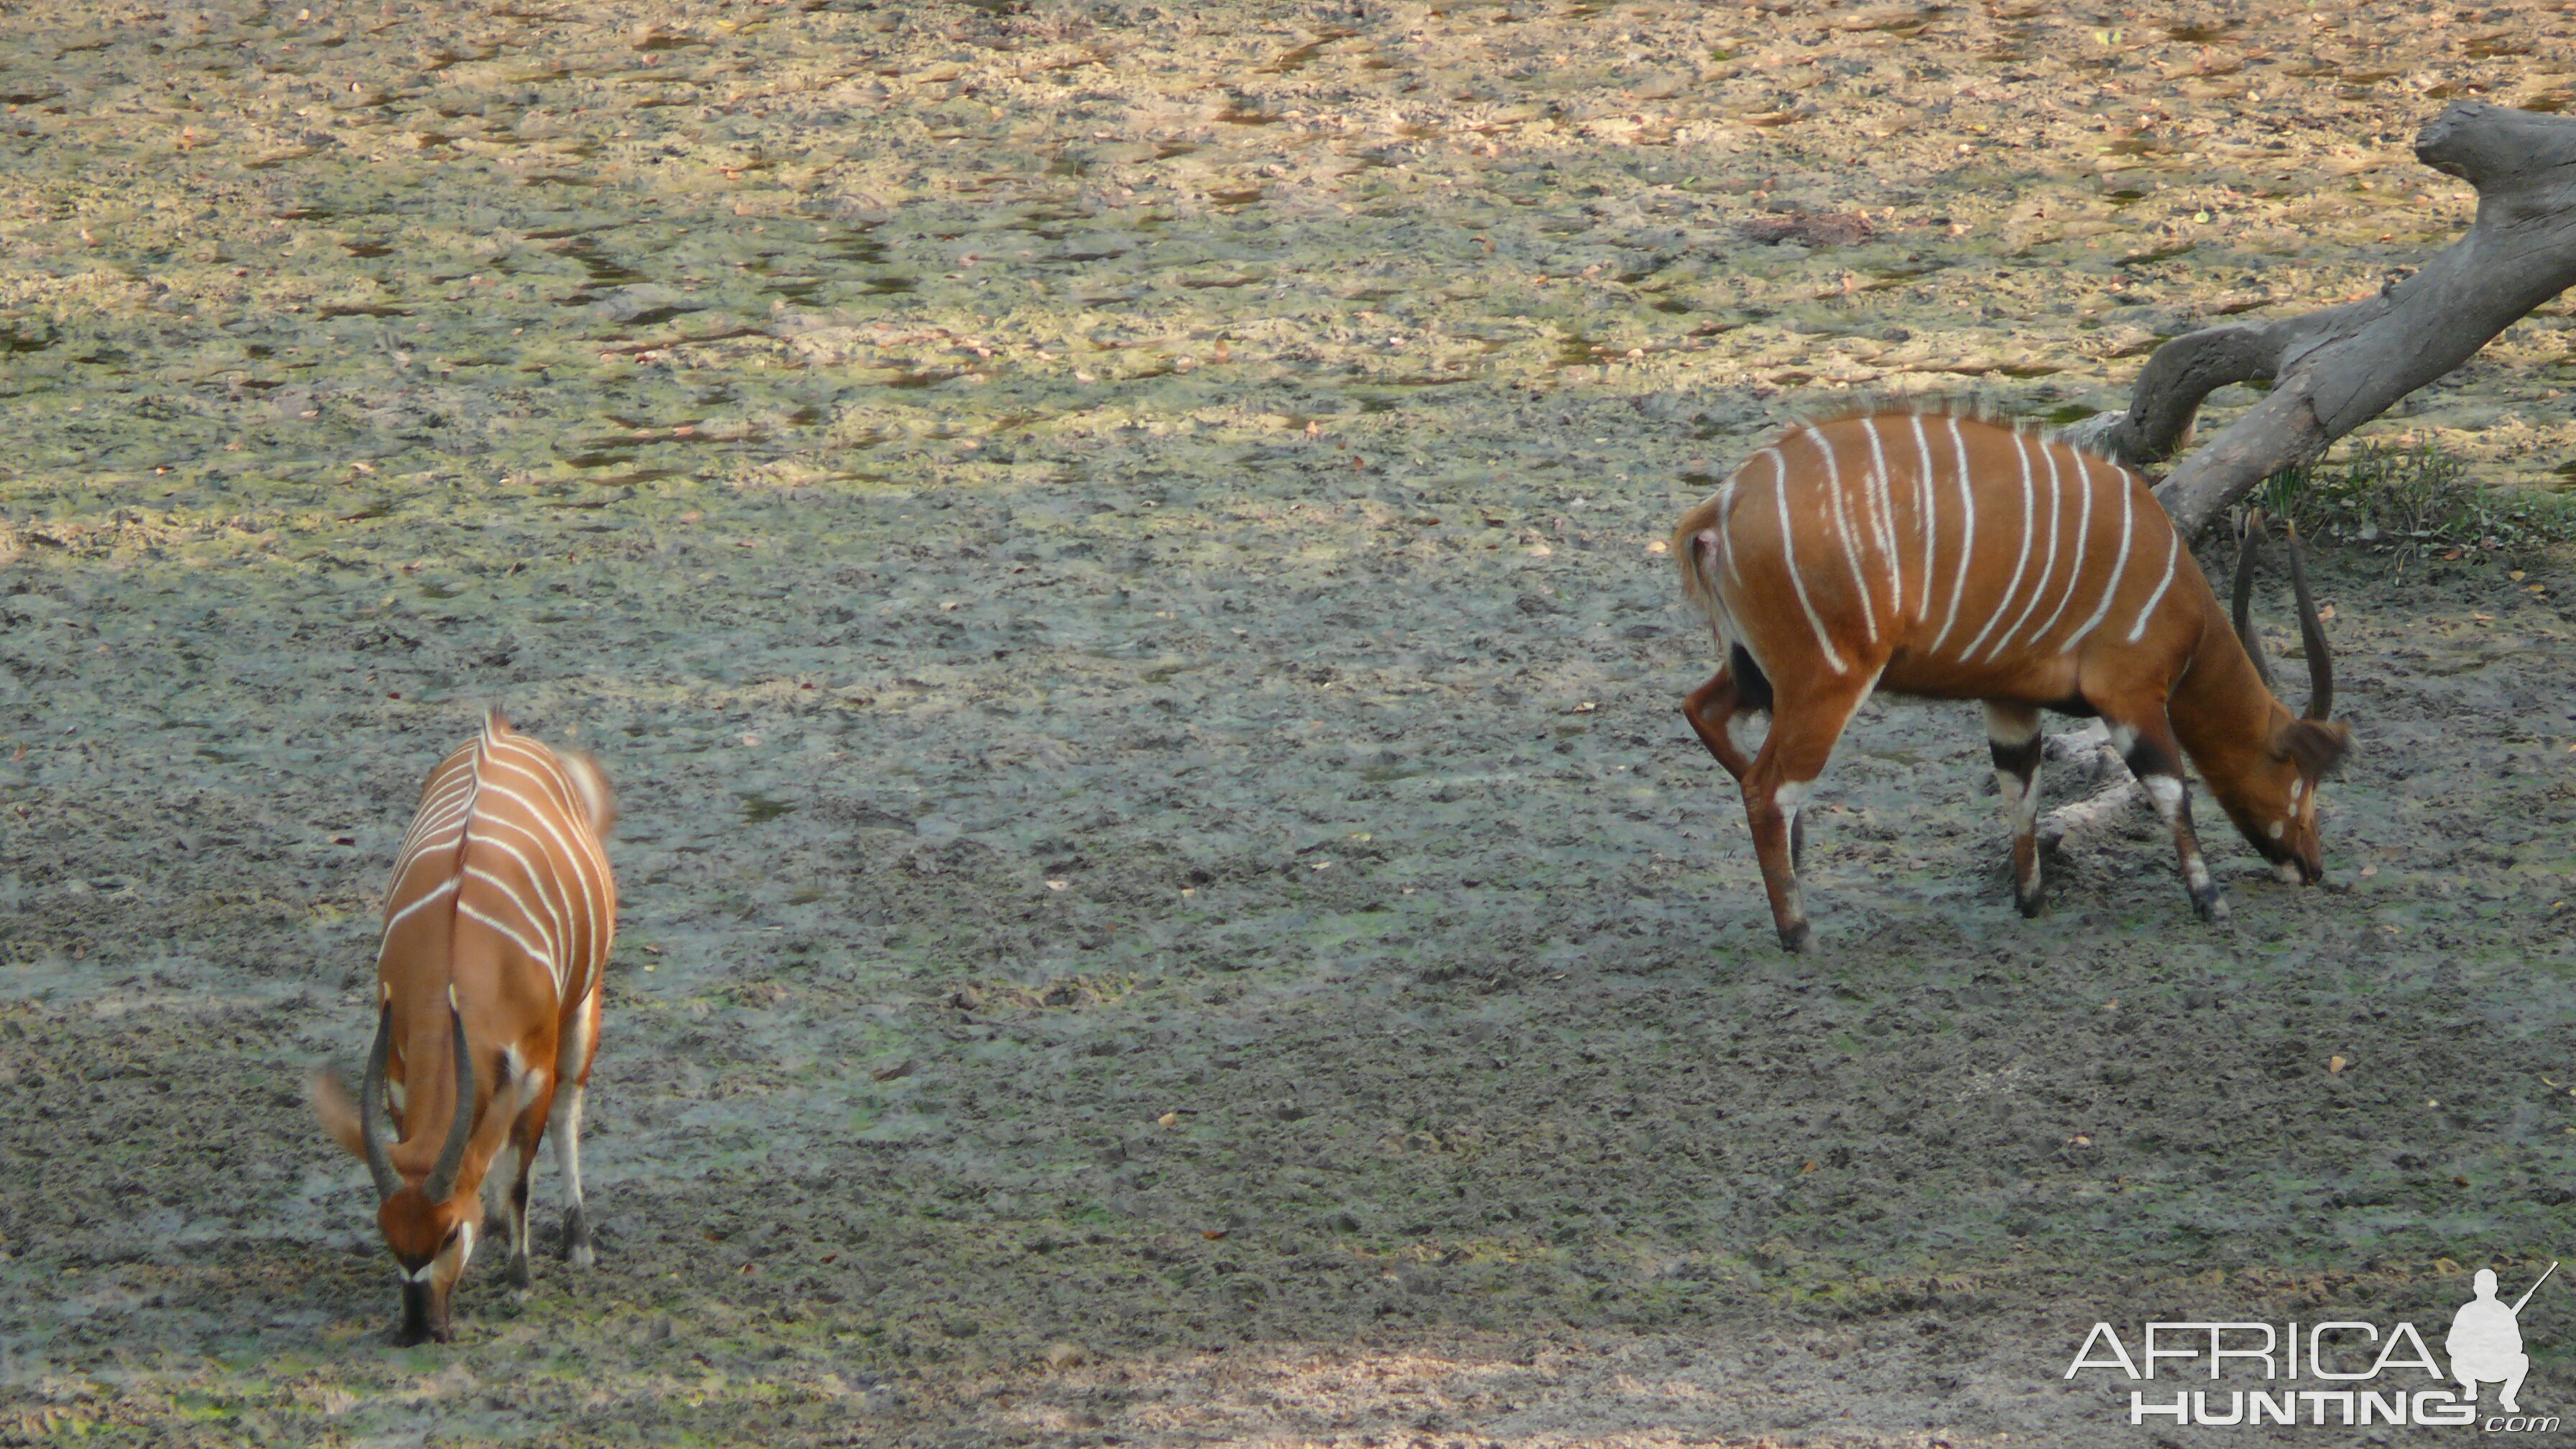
<point>2312,634</point>
<point>371,1108</point>
<point>442,1177</point>
<point>2248,557</point>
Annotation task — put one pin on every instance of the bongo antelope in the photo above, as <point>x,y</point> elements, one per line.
<point>1953,558</point>
<point>497,924</point>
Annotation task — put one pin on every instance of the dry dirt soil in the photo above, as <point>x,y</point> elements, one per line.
<point>1109,550</point>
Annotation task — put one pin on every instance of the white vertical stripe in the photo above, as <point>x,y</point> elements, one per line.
<point>535,952</point>
<point>2173,551</point>
<point>1726,510</point>
<point>2083,545</point>
<point>1842,530</point>
<point>1923,508</point>
<point>2039,585</point>
<point>439,892</point>
<point>1883,509</point>
<point>1789,555</point>
<point>2119,565</point>
<point>2021,565</point>
<point>1967,531</point>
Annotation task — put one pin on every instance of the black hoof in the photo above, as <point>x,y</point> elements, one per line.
<point>2212,907</point>
<point>519,1275</point>
<point>576,1239</point>
<point>2029,906</point>
<point>1794,939</point>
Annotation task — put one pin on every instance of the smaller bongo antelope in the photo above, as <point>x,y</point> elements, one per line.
<point>1952,558</point>
<point>497,924</point>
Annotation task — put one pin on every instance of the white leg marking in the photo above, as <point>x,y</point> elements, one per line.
<point>1842,530</point>
<point>2007,726</point>
<point>2166,791</point>
<point>1789,555</point>
<point>568,1163</point>
<point>2119,564</point>
<point>2039,585</point>
<point>2021,565</point>
<point>496,1193</point>
<point>2173,551</point>
<point>1967,532</point>
<point>2125,739</point>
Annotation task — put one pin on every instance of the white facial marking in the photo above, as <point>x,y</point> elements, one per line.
<point>2287,873</point>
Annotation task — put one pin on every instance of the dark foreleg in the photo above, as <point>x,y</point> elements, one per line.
<point>2012,738</point>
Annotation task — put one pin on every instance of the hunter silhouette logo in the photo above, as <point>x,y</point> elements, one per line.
<point>2339,1372</point>
<point>2485,1342</point>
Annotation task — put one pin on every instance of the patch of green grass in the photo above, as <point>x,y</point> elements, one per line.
<point>2412,496</point>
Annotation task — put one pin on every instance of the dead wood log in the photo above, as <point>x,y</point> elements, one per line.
<point>2334,370</point>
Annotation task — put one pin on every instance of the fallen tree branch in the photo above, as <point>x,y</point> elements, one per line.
<point>2337,369</point>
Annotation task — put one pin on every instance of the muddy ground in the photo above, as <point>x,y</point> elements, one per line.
<point>1109,551</point>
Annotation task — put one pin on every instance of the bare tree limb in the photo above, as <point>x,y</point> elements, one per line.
<point>2337,369</point>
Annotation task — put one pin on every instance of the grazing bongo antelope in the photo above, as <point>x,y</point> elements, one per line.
<point>497,924</point>
<point>1952,558</point>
